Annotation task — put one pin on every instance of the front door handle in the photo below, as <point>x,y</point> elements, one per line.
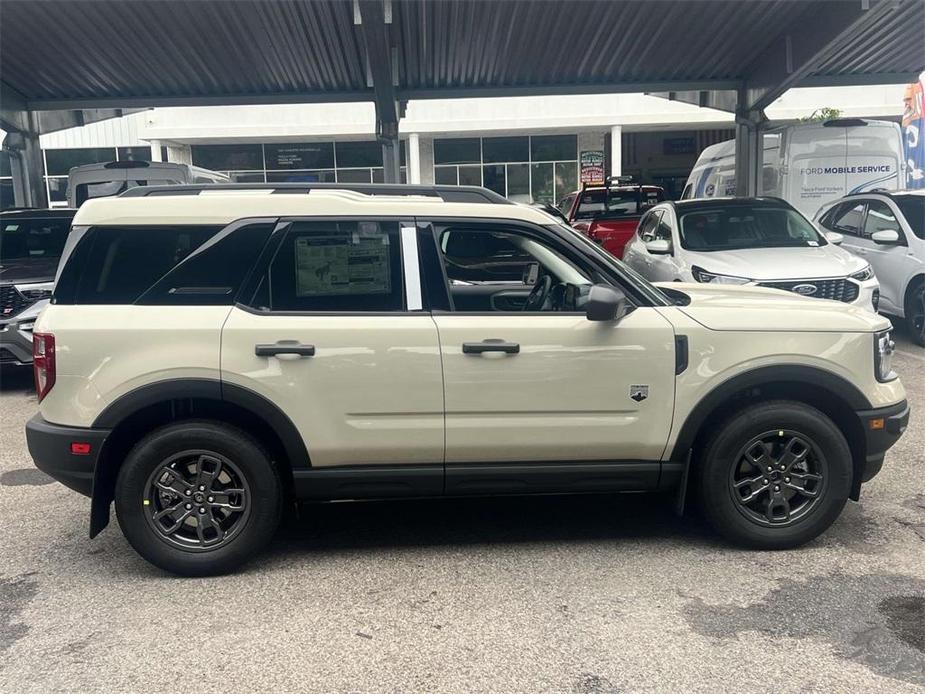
<point>492,345</point>
<point>285,347</point>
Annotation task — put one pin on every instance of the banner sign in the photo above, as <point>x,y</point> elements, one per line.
<point>592,166</point>
<point>914,133</point>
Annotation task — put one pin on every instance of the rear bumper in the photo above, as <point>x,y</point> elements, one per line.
<point>50,448</point>
<point>882,428</point>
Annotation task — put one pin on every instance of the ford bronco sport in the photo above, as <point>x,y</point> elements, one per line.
<point>212,354</point>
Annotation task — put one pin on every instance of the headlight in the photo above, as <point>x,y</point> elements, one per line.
<point>702,275</point>
<point>883,356</point>
<point>36,290</point>
<point>863,275</point>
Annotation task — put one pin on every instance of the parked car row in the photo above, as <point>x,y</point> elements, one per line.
<point>866,249</point>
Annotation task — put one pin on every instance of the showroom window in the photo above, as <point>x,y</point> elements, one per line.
<point>536,168</point>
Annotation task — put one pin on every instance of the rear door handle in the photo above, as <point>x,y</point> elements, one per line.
<point>285,347</point>
<point>491,345</point>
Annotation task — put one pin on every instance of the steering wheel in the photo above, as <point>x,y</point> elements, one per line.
<point>538,295</point>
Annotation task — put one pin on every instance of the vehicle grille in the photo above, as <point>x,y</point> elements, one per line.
<point>837,289</point>
<point>11,301</point>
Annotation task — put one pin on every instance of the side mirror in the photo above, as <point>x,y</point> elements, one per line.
<point>887,237</point>
<point>834,237</point>
<point>659,246</point>
<point>605,303</point>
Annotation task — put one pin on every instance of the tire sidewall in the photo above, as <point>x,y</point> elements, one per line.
<point>720,456</point>
<point>247,455</point>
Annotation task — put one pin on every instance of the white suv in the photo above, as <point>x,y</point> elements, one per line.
<point>213,354</point>
<point>761,242</point>
<point>887,230</point>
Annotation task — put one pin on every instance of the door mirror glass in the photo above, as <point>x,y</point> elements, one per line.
<point>659,246</point>
<point>834,237</point>
<point>606,303</point>
<point>886,237</point>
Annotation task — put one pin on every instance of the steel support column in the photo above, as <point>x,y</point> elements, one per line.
<point>27,167</point>
<point>749,153</point>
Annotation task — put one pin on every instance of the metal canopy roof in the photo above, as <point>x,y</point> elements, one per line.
<point>113,54</point>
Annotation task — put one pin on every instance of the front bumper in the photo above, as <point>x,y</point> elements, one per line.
<point>50,448</point>
<point>882,428</point>
<point>16,335</point>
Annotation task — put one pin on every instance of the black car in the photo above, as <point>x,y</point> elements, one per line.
<point>31,241</point>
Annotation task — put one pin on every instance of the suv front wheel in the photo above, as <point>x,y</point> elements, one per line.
<point>775,475</point>
<point>198,498</point>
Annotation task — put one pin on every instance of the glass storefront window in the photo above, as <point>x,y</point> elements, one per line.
<point>470,175</point>
<point>553,147</point>
<point>505,149</point>
<point>5,169</point>
<point>357,154</point>
<point>543,183</point>
<point>228,157</point>
<point>57,189</point>
<point>354,176</point>
<point>246,176</point>
<point>518,182</point>
<point>59,161</point>
<point>300,155</point>
<point>566,178</point>
<point>445,175</point>
<point>462,150</point>
<point>494,178</point>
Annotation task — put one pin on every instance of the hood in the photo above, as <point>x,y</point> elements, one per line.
<point>726,307</point>
<point>779,263</point>
<point>24,270</point>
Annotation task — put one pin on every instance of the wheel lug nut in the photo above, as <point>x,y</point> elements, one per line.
<point>770,468</point>
<point>189,506</point>
<point>187,492</point>
<point>765,480</point>
<point>202,487</point>
<point>776,487</point>
<point>211,499</point>
<point>201,510</point>
<point>786,479</point>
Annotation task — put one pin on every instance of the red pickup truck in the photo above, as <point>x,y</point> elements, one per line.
<point>609,213</point>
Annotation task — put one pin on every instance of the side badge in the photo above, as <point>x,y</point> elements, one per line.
<point>639,393</point>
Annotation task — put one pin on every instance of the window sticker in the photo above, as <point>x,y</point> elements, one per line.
<point>340,264</point>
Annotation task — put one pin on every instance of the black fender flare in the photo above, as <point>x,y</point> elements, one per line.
<point>811,376</point>
<point>185,389</point>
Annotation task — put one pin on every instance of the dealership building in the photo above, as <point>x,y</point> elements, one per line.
<point>527,148</point>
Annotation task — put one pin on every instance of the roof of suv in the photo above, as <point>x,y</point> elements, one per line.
<point>219,204</point>
<point>726,202</point>
<point>37,213</point>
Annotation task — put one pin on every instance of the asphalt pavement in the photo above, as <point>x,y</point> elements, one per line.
<point>558,594</point>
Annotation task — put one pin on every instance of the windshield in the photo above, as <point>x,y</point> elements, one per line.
<point>613,203</point>
<point>913,209</point>
<point>737,227</point>
<point>32,238</point>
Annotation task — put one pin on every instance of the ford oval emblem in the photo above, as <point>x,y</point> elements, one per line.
<point>805,289</point>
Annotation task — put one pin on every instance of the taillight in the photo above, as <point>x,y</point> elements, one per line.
<point>43,363</point>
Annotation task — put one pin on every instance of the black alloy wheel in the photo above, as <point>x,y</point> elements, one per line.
<point>197,500</point>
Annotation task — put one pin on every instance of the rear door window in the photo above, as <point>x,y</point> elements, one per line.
<point>598,204</point>
<point>25,239</point>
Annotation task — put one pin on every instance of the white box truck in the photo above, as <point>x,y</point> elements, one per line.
<point>809,165</point>
<point>108,179</point>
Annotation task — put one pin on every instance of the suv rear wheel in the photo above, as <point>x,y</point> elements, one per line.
<point>775,475</point>
<point>198,498</point>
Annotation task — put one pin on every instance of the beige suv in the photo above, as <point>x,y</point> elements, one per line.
<point>212,354</point>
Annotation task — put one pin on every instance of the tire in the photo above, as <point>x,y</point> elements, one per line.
<point>777,432</point>
<point>159,486</point>
<point>915,313</point>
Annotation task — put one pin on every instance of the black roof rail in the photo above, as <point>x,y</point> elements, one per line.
<point>470,194</point>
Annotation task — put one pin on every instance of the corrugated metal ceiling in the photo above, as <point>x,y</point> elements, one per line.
<point>216,49</point>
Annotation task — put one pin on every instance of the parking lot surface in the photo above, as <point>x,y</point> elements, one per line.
<point>561,594</point>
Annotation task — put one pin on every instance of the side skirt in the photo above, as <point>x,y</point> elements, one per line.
<point>476,479</point>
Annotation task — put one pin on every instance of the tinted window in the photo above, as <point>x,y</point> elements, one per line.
<point>335,266</point>
<point>60,161</point>
<point>482,256</point>
<point>303,155</point>
<point>32,238</point>
<point>135,154</point>
<point>213,273</point>
<point>553,147</point>
<point>116,265</point>
<point>913,209</point>
<point>739,226</point>
<point>350,154</point>
<point>846,218</point>
<point>600,203</point>
<point>228,157</point>
<point>464,150</point>
<point>506,149</point>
